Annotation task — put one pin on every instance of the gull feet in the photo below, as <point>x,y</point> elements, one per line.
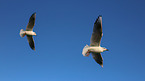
<point>88,53</point>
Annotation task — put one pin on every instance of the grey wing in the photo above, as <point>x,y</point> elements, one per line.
<point>98,58</point>
<point>31,22</point>
<point>31,42</point>
<point>97,32</point>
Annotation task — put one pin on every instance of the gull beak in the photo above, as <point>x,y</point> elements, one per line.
<point>107,50</point>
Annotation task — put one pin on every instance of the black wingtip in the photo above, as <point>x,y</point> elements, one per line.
<point>34,13</point>
<point>100,16</point>
<point>98,19</point>
<point>101,65</point>
<point>33,49</point>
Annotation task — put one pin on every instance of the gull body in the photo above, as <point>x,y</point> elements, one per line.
<point>29,31</point>
<point>90,49</point>
<point>95,47</point>
<point>23,33</point>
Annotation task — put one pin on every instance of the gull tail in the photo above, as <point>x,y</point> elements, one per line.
<point>22,33</point>
<point>85,51</point>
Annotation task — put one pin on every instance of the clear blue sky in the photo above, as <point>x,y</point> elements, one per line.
<point>63,28</point>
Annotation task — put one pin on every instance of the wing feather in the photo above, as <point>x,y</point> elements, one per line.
<point>31,42</point>
<point>98,58</point>
<point>31,22</point>
<point>97,32</point>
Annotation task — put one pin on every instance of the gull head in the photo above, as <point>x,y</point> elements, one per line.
<point>34,33</point>
<point>105,49</point>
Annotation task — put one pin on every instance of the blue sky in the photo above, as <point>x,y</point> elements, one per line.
<point>63,28</point>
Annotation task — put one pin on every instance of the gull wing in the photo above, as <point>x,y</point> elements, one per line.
<point>97,32</point>
<point>31,42</point>
<point>98,58</point>
<point>31,22</point>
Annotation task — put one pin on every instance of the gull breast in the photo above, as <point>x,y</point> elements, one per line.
<point>96,49</point>
<point>30,33</point>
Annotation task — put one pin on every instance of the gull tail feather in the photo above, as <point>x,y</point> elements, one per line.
<point>85,51</point>
<point>22,33</point>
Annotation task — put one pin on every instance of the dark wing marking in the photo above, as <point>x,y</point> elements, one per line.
<point>31,22</point>
<point>31,42</point>
<point>97,32</point>
<point>98,58</point>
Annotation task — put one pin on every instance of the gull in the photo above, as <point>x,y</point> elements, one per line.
<point>95,47</point>
<point>29,31</point>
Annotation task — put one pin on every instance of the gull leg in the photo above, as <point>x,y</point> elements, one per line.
<point>24,34</point>
<point>88,53</point>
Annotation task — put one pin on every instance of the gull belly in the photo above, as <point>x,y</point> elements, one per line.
<point>96,49</point>
<point>30,33</point>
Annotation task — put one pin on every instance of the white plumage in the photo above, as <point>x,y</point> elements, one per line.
<point>29,31</point>
<point>95,47</point>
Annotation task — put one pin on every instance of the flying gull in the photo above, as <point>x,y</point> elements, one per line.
<point>95,47</point>
<point>29,31</point>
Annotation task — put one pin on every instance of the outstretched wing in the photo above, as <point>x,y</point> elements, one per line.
<point>31,22</point>
<point>98,58</point>
<point>97,32</point>
<point>31,42</point>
